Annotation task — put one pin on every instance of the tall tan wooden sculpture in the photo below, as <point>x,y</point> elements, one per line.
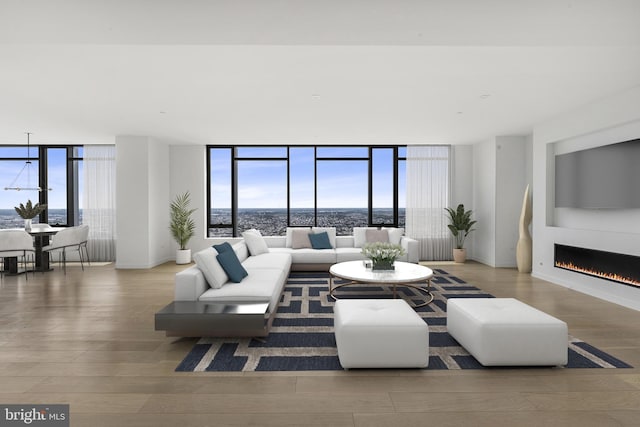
<point>524,247</point>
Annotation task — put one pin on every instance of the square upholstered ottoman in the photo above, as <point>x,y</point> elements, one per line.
<point>380,334</point>
<point>507,332</point>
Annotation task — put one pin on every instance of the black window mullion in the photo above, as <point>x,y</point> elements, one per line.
<point>234,191</point>
<point>71,217</point>
<point>315,186</point>
<point>370,189</point>
<point>208,186</point>
<point>288,186</point>
<point>396,182</point>
<point>43,182</point>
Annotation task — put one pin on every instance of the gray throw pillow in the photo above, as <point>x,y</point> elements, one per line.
<point>375,236</point>
<point>300,238</point>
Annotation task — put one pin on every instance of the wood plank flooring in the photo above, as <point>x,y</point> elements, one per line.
<point>87,339</point>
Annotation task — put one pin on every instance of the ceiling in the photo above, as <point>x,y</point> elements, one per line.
<point>306,72</point>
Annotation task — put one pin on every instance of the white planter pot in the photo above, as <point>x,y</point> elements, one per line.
<point>183,256</point>
<point>459,255</point>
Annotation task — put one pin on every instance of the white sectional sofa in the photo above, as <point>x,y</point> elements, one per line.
<point>267,274</point>
<point>345,248</point>
<point>268,261</point>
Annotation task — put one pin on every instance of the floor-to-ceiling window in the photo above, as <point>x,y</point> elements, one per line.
<point>272,188</point>
<point>57,170</point>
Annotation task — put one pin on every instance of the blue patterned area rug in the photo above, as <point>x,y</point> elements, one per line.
<point>302,339</point>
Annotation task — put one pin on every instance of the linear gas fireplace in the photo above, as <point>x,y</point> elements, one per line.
<point>612,266</point>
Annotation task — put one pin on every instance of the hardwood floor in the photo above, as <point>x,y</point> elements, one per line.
<point>87,339</point>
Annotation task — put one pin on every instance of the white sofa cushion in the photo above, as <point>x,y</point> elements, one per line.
<point>258,286</point>
<point>210,267</point>
<point>344,242</point>
<point>255,242</point>
<point>349,254</point>
<point>309,256</point>
<point>395,234</point>
<point>275,241</point>
<point>359,236</point>
<point>272,260</point>
<point>241,250</point>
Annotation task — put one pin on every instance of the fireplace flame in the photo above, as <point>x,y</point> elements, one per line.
<point>592,272</point>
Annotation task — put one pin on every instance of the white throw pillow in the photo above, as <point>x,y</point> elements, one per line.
<point>255,242</point>
<point>395,234</point>
<point>210,267</point>
<point>360,236</point>
<point>331,232</point>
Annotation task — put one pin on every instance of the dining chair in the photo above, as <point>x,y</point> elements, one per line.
<point>83,237</point>
<point>72,238</point>
<point>18,244</point>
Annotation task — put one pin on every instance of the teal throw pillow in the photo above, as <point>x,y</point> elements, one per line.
<point>231,265</point>
<point>223,247</point>
<point>320,240</point>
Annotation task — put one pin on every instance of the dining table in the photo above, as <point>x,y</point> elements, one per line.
<point>41,237</point>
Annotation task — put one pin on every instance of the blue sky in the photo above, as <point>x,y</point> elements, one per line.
<point>343,184</point>
<point>262,183</point>
<point>10,169</point>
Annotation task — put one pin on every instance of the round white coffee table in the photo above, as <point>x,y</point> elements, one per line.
<point>405,274</point>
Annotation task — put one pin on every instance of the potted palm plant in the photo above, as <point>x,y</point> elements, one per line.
<point>29,211</point>
<point>460,226</point>
<point>182,226</point>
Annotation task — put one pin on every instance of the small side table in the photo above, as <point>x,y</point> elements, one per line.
<point>211,319</point>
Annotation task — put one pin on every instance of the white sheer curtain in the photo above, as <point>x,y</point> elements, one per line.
<point>428,193</point>
<point>99,209</point>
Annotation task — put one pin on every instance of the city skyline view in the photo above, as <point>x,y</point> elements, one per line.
<point>56,169</point>
<point>10,219</point>
<point>273,221</point>
<point>341,174</point>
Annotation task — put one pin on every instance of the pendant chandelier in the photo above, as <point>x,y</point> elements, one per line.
<point>26,168</point>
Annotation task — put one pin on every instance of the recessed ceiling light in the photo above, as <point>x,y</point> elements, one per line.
<point>163,112</point>
<point>484,96</point>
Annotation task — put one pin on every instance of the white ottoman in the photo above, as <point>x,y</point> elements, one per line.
<point>507,332</point>
<point>380,334</point>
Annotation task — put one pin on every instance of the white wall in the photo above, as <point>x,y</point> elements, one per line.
<point>607,121</point>
<point>511,183</point>
<point>499,181</point>
<point>160,249</point>
<point>142,197</point>
<point>462,184</point>
<point>188,171</point>
<point>484,202</point>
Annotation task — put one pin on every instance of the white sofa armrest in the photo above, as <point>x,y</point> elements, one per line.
<point>190,284</point>
<point>411,247</point>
